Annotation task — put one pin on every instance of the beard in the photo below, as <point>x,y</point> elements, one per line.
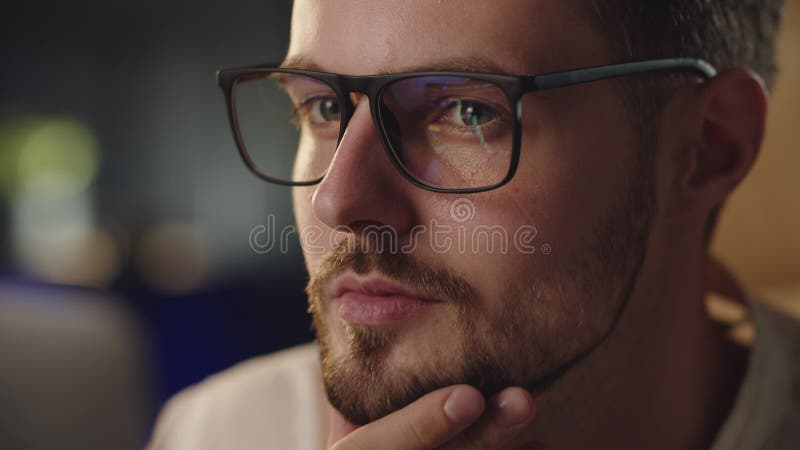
<point>527,337</point>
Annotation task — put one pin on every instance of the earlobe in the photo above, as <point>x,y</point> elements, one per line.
<point>729,130</point>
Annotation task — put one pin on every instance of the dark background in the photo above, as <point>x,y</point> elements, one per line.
<point>170,198</point>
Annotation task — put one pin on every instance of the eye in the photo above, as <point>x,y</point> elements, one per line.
<point>323,110</point>
<point>317,112</point>
<point>471,113</point>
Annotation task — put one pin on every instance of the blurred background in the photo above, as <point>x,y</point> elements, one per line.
<point>126,267</point>
<point>118,172</point>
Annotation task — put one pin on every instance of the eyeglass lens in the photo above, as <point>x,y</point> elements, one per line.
<point>446,131</point>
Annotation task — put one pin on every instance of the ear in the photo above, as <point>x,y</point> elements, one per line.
<point>724,136</point>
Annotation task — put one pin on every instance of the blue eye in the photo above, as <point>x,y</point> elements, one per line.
<point>472,113</point>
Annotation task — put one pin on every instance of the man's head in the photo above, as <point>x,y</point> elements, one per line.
<point>601,199</point>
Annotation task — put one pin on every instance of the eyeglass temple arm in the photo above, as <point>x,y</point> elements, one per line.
<point>568,78</point>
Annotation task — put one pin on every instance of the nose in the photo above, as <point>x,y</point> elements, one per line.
<point>362,187</point>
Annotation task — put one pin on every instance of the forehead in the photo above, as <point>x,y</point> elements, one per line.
<point>359,37</point>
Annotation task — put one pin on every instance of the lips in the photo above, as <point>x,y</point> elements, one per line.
<point>377,301</point>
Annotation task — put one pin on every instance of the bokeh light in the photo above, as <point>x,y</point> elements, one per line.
<point>174,257</point>
<point>59,158</point>
<point>48,167</point>
<point>53,156</point>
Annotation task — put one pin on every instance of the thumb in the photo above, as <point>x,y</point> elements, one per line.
<point>427,423</point>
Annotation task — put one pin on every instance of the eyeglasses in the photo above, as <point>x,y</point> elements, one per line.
<point>450,132</point>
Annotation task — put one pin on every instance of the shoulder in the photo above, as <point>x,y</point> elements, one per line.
<point>275,399</point>
<point>777,325</point>
<point>766,413</point>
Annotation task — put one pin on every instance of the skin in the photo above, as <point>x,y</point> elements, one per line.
<point>654,380</point>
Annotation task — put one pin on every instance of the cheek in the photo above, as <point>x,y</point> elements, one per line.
<point>313,235</point>
<point>302,197</point>
<point>575,162</point>
<point>490,241</point>
<point>548,215</point>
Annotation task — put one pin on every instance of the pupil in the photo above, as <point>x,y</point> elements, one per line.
<point>329,110</point>
<point>472,114</point>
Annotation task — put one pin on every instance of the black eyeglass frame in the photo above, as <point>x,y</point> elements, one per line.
<point>514,87</point>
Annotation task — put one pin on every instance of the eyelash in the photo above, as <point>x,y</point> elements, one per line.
<point>441,114</point>
<point>303,107</point>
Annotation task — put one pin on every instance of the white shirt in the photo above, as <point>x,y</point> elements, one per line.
<point>277,401</point>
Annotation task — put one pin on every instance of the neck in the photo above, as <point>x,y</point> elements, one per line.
<point>665,378</point>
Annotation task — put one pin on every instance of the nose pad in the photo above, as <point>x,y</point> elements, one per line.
<point>354,98</point>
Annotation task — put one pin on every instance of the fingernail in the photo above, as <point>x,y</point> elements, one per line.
<point>464,405</point>
<point>512,407</point>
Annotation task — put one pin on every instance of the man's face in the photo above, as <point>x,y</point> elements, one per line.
<point>393,326</point>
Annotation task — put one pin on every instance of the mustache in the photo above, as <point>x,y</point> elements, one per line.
<point>350,254</point>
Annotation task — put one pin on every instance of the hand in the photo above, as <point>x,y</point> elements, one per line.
<point>455,417</point>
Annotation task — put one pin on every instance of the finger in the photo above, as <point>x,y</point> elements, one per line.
<point>507,414</point>
<point>425,424</point>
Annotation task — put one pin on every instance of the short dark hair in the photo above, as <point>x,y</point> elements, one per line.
<point>726,33</point>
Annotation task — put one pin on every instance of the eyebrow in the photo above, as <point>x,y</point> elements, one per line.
<point>475,64</point>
